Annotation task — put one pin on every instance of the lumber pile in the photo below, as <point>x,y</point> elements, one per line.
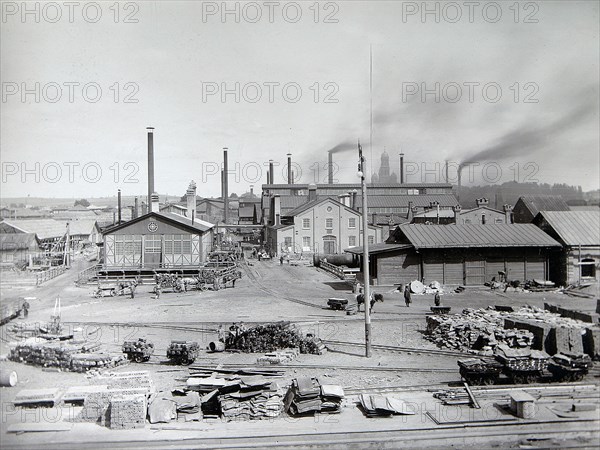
<point>96,406</point>
<point>522,359</point>
<point>82,362</point>
<point>308,396</point>
<point>124,380</point>
<point>275,336</point>
<point>183,352</point>
<point>37,397</point>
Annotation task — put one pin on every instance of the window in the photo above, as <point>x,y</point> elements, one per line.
<point>352,222</point>
<point>588,268</point>
<point>287,243</point>
<point>352,241</point>
<point>329,223</point>
<point>498,220</point>
<point>306,241</point>
<point>371,239</point>
<point>305,224</point>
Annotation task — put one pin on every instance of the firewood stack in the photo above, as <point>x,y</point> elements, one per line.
<point>271,337</point>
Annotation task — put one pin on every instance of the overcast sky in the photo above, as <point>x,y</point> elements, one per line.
<point>517,92</point>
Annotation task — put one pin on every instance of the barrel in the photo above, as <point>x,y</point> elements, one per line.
<point>217,346</point>
<point>8,378</point>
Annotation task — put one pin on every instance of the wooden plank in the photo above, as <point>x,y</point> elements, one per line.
<point>36,427</point>
<point>472,397</point>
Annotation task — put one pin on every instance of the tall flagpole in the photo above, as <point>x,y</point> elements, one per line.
<point>367,291</point>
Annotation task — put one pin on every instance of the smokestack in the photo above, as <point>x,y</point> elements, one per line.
<point>144,208</point>
<point>456,210</point>
<point>225,187</point>
<point>155,206</point>
<point>312,192</point>
<point>119,204</point>
<point>482,202</point>
<point>251,190</point>
<point>268,178</point>
<point>276,210</point>
<point>353,204</point>
<point>330,167</point>
<point>135,208</point>
<point>447,178</point>
<point>290,174</point>
<point>271,172</point>
<point>508,214</point>
<point>411,212</point>
<point>150,163</point>
<point>401,168</point>
<point>459,183</point>
<point>190,195</point>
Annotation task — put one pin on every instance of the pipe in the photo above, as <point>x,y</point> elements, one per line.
<point>135,208</point>
<point>119,204</point>
<point>289,171</point>
<point>8,378</point>
<point>225,187</point>
<point>459,183</point>
<point>401,168</point>
<point>150,164</point>
<point>271,172</point>
<point>447,178</point>
<point>330,168</point>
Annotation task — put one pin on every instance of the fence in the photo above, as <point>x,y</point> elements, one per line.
<point>53,272</point>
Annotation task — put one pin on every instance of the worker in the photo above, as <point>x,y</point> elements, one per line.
<point>221,333</point>
<point>25,308</point>
<point>436,299</point>
<point>407,299</point>
<point>281,260</point>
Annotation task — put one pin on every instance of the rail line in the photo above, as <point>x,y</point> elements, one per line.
<point>390,348</point>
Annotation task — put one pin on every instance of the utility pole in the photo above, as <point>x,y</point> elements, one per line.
<point>367,290</point>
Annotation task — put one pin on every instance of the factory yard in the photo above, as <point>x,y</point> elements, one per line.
<point>403,364</point>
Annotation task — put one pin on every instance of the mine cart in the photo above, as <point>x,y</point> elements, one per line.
<point>138,351</point>
<point>216,278</point>
<point>113,289</point>
<point>569,366</point>
<point>480,371</point>
<point>183,352</point>
<point>524,368</point>
<point>166,281</point>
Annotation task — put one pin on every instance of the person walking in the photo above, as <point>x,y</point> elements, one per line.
<point>407,299</point>
<point>437,299</point>
<point>25,308</point>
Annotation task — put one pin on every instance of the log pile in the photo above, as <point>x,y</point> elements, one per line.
<point>82,362</point>
<point>183,352</point>
<point>275,336</point>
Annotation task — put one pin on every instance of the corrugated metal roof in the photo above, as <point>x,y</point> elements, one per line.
<point>575,227</point>
<point>50,228</point>
<point>476,235</point>
<point>199,225</point>
<point>537,203</point>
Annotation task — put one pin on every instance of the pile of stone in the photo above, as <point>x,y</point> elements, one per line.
<point>275,336</point>
<point>281,357</point>
<point>479,330</point>
<point>71,355</point>
<point>127,411</point>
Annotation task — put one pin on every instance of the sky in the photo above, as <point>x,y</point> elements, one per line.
<point>511,88</point>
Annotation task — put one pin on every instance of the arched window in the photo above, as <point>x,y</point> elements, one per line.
<point>588,268</point>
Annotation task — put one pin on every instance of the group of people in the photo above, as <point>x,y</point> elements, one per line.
<point>228,337</point>
<point>437,299</point>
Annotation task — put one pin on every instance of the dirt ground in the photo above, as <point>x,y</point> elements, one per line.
<point>267,295</point>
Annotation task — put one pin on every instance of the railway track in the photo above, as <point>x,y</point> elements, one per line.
<point>390,348</point>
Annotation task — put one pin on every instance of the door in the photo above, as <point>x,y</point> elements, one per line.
<point>329,245</point>
<point>152,251</point>
<point>474,271</point>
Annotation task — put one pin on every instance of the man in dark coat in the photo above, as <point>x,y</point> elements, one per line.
<point>407,299</point>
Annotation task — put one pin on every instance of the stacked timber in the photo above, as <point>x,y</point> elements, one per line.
<point>82,362</point>
<point>45,354</point>
<point>275,336</point>
<point>125,380</point>
<point>127,411</point>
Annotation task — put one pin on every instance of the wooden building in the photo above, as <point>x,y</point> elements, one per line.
<point>579,233</point>
<point>460,254</point>
<point>529,206</point>
<point>157,240</point>
<point>17,248</point>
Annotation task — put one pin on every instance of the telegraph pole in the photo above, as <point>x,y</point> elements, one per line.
<point>367,290</point>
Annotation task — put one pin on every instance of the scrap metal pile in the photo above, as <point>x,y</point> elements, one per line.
<point>481,329</point>
<point>272,337</point>
<point>73,356</point>
<point>308,396</point>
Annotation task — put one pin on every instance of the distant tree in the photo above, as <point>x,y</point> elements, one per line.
<point>233,195</point>
<point>82,202</point>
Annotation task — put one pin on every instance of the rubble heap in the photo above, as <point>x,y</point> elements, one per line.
<point>481,329</point>
<point>68,356</point>
<point>274,336</point>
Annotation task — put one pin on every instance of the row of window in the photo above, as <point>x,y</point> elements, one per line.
<point>329,223</point>
<point>306,241</point>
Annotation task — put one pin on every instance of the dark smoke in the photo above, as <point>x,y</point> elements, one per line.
<point>527,139</point>
<point>344,147</point>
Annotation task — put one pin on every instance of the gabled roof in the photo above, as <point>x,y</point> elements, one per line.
<point>50,228</point>
<point>198,225</point>
<point>375,249</point>
<point>480,208</point>
<point>473,235</point>
<point>18,241</point>
<point>309,205</point>
<point>574,227</point>
<point>537,203</point>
